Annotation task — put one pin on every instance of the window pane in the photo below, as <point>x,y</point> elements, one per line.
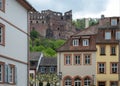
<point>118,35</point>
<point>107,35</point>
<point>114,22</point>
<point>85,42</point>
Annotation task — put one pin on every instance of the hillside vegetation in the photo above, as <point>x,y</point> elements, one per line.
<point>47,46</point>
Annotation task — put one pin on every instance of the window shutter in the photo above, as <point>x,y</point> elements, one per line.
<point>15,75</point>
<point>6,73</point>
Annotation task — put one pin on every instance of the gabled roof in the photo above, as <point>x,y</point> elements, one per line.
<point>34,56</point>
<point>88,31</point>
<point>67,47</point>
<point>47,61</point>
<point>26,5</point>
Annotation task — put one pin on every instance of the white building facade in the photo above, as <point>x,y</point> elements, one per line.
<point>14,42</point>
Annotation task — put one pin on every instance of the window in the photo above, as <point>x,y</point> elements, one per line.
<point>113,50</point>
<point>102,83</point>
<point>11,73</point>
<point>101,68</point>
<point>77,59</point>
<point>75,42</point>
<point>113,22</point>
<point>118,35</point>
<point>102,50</point>
<point>52,69</point>
<point>114,83</point>
<point>68,82</point>
<point>2,5</point>
<point>87,81</point>
<point>77,82</point>
<point>85,42</point>
<point>42,69</point>
<point>107,35</point>
<point>114,67</point>
<point>68,59</point>
<point>87,59</point>
<point>2,33</point>
<point>1,72</point>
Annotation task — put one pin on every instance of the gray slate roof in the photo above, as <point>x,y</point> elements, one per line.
<point>34,56</point>
<point>47,61</point>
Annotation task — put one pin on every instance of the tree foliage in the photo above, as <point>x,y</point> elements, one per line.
<point>47,46</point>
<point>80,23</point>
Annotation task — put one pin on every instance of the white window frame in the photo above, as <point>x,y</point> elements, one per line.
<point>117,35</point>
<point>68,82</point>
<point>77,59</point>
<point>113,22</point>
<point>1,35</point>
<point>101,67</point>
<point>68,58</point>
<point>42,69</point>
<point>77,81</point>
<point>1,4</point>
<point>87,81</point>
<point>52,69</point>
<point>1,73</point>
<point>85,42</point>
<point>87,60</point>
<point>114,68</point>
<point>11,75</point>
<point>107,35</point>
<point>75,42</point>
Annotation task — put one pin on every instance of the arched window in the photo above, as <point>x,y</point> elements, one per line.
<point>87,81</point>
<point>68,82</point>
<point>77,82</point>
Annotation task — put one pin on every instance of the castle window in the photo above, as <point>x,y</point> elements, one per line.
<point>75,42</point>
<point>85,42</point>
<point>113,22</point>
<point>107,35</point>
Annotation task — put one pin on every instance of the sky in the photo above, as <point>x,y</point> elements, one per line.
<point>80,8</point>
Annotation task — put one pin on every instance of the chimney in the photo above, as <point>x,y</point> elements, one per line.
<point>86,22</point>
<point>102,16</point>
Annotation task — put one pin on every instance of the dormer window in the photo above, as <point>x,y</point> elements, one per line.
<point>75,42</point>
<point>107,35</point>
<point>113,22</point>
<point>85,42</point>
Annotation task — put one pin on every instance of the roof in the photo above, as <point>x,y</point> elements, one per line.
<point>47,61</point>
<point>26,5</point>
<point>90,31</point>
<point>34,56</point>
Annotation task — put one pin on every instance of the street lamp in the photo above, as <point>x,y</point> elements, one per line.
<point>60,75</point>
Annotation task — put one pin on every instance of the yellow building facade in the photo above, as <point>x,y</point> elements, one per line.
<point>107,77</point>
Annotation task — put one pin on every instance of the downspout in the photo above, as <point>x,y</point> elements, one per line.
<point>28,50</point>
<point>39,62</point>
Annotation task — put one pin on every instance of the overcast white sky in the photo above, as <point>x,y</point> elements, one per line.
<point>80,8</point>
